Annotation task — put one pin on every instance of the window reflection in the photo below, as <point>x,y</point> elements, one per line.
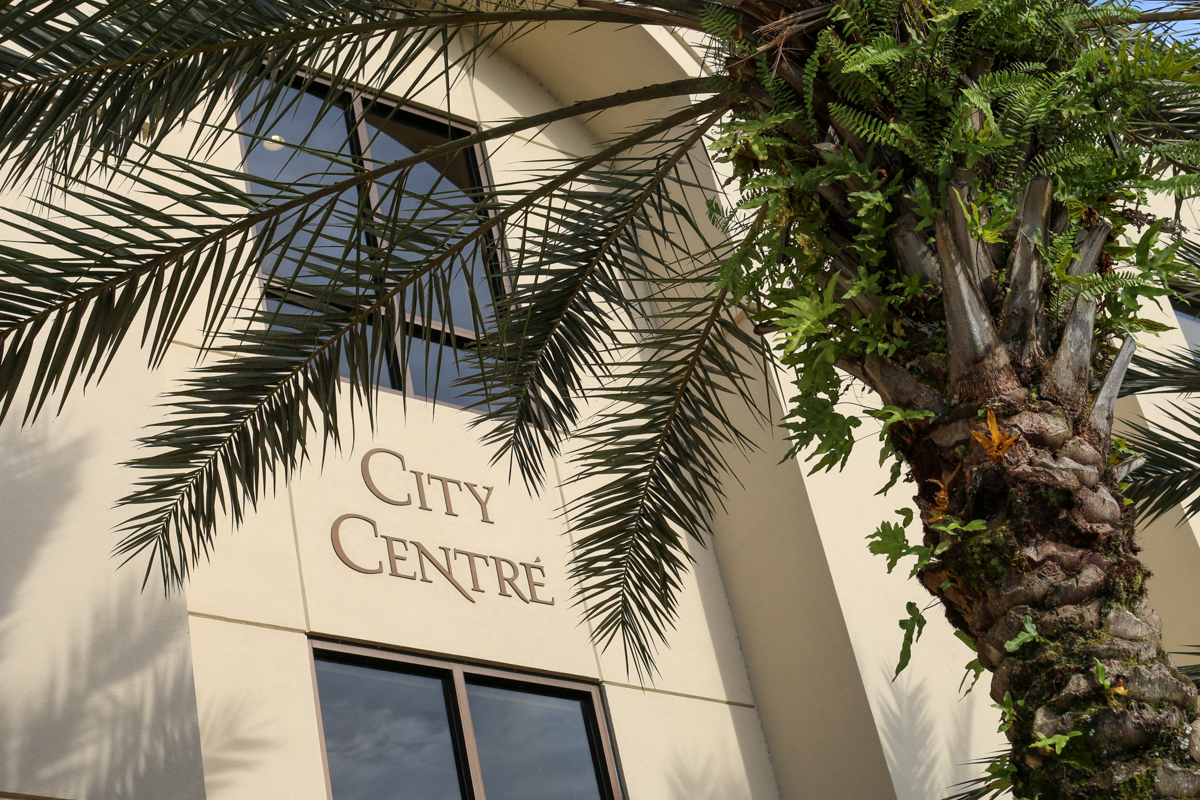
<point>339,239</point>
<point>532,746</point>
<point>451,181</point>
<point>310,124</point>
<point>440,365</point>
<point>387,735</point>
<point>397,731</point>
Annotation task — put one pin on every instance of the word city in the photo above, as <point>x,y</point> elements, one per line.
<point>422,498</point>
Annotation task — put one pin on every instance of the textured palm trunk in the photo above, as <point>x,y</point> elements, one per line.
<point>1035,551</point>
<point>1059,552</point>
<point>1058,555</point>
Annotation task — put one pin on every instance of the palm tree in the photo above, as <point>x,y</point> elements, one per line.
<point>931,199</point>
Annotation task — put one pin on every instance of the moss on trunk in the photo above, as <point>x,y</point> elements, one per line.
<point>1053,593</point>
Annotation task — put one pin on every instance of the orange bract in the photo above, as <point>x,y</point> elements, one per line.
<point>941,501</point>
<point>997,444</point>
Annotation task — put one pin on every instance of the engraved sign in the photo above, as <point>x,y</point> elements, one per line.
<point>409,559</point>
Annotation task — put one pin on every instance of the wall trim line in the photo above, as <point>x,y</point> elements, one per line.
<point>251,623</point>
<point>737,703</point>
<point>285,628</point>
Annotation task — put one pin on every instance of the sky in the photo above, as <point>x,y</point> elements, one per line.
<point>1178,30</point>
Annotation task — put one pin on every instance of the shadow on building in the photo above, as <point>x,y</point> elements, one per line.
<point>97,700</point>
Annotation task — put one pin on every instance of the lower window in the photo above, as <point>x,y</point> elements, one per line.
<point>397,727</point>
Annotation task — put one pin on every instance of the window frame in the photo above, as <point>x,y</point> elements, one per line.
<point>459,712</point>
<point>358,99</point>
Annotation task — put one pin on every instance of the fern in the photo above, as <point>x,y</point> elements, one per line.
<point>720,23</point>
<point>884,50</point>
<point>812,68</point>
<point>870,128</point>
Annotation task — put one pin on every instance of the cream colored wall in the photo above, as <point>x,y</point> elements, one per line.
<point>277,581</point>
<point>1170,546</point>
<point>96,690</point>
<point>814,708</point>
<point>817,616</point>
<point>927,730</point>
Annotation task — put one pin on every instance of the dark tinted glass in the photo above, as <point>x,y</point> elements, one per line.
<point>305,124</point>
<point>387,735</point>
<point>291,316</point>
<point>383,366</point>
<point>393,135</point>
<point>435,365</point>
<point>452,180</point>
<point>532,747</point>
<point>325,249</point>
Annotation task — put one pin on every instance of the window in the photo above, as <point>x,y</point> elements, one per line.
<point>408,728</point>
<point>364,133</point>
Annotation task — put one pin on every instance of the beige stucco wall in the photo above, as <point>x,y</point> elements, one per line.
<point>929,732</point>
<point>96,692</point>
<point>798,650</point>
<point>278,580</point>
<point>1170,546</point>
<point>817,615</point>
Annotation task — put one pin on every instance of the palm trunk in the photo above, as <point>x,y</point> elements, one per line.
<point>1059,551</point>
<point>1058,555</point>
<point>1034,554</point>
<point>1048,586</point>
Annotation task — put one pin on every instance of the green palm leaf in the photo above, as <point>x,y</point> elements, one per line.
<point>575,272</point>
<point>106,264</point>
<point>284,363</point>
<point>118,79</point>
<point>1171,475</point>
<point>652,473</point>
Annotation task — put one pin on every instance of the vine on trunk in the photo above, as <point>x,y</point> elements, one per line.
<point>934,201</point>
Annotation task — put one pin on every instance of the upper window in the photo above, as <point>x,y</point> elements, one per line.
<point>356,132</point>
<point>406,728</point>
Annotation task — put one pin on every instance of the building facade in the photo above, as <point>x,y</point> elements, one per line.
<point>397,621</point>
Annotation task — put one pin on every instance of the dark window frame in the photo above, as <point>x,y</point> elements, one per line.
<point>462,729</point>
<point>358,100</point>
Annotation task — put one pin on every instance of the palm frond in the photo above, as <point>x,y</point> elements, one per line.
<point>989,785</point>
<point>1171,371</point>
<point>115,80</point>
<point>1192,671</point>
<point>652,473</point>
<point>1165,68</point>
<point>579,266</point>
<point>1171,475</point>
<point>242,419</point>
<point>68,307</point>
<point>598,256</point>
<point>101,263</point>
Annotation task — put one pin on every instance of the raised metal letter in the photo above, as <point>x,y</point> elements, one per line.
<point>369,481</point>
<point>335,534</point>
